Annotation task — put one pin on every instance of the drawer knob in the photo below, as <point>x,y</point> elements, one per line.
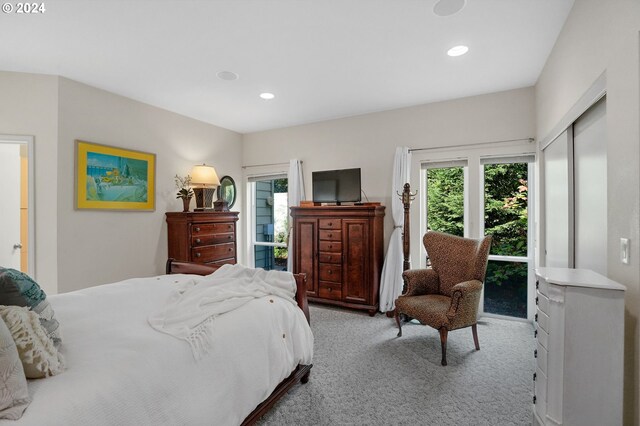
<point>330,235</point>
<point>330,223</point>
<point>330,246</point>
<point>534,399</point>
<point>537,284</point>
<point>198,240</point>
<point>329,271</point>
<point>535,333</point>
<point>198,254</point>
<point>536,317</point>
<point>536,300</point>
<point>230,249</point>
<point>228,237</point>
<point>535,353</point>
<point>534,376</point>
<point>329,289</point>
<point>197,229</point>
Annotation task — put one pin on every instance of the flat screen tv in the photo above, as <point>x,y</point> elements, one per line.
<point>336,186</point>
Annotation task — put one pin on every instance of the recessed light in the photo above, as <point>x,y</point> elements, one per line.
<point>227,75</point>
<point>457,50</point>
<point>267,96</point>
<point>448,7</point>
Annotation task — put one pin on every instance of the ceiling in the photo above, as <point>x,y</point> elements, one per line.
<point>323,59</point>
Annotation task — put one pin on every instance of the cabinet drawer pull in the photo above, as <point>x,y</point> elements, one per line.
<point>536,300</point>
<point>330,223</point>
<point>536,318</point>
<point>537,284</point>
<point>534,376</point>
<point>197,229</point>
<point>198,254</point>
<point>534,399</point>
<point>329,272</point>
<point>330,246</point>
<point>229,237</point>
<point>197,240</point>
<point>329,289</point>
<point>535,333</point>
<point>230,249</point>
<point>330,235</point>
<point>535,353</point>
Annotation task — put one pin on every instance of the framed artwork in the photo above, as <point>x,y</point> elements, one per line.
<point>114,178</point>
<point>227,190</point>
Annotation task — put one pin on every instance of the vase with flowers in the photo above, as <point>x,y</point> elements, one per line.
<point>184,191</point>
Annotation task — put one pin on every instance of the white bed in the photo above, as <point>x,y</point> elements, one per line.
<point>120,371</point>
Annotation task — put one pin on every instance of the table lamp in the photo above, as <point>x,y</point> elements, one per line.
<point>205,179</point>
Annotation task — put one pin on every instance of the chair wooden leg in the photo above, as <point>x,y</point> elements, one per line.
<point>474,330</point>
<point>397,315</point>
<point>443,342</point>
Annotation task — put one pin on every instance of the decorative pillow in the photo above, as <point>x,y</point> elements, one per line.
<point>39,356</point>
<point>18,289</point>
<point>14,395</point>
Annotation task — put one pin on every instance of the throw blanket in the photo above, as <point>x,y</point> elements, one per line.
<point>190,311</point>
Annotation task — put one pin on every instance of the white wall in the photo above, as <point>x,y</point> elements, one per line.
<point>369,141</point>
<point>603,36</point>
<point>97,247</point>
<point>28,106</point>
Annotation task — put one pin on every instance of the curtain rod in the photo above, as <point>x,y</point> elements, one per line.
<point>264,165</point>
<point>471,144</point>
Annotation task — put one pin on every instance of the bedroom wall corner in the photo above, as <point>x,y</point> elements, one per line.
<point>604,37</point>
<point>29,106</point>
<point>107,246</point>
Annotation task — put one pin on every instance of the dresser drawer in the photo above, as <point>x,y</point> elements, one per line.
<point>542,286</point>
<point>330,223</point>
<point>209,254</point>
<point>330,235</point>
<point>541,358</point>
<point>328,290</point>
<point>331,272</point>
<point>543,302</point>
<point>330,257</point>
<point>540,393</point>
<point>542,336</point>
<point>211,228</point>
<point>543,320</point>
<point>206,240</point>
<point>331,246</point>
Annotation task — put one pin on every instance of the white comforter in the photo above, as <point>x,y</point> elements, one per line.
<point>122,372</point>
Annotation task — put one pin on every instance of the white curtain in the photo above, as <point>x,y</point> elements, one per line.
<point>391,282</point>
<point>296,194</point>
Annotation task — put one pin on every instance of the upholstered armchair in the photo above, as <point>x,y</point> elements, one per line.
<point>446,295</point>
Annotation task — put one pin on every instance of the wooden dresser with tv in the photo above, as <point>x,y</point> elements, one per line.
<point>340,248</point>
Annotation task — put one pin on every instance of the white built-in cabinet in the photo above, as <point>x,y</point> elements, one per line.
<point>579,348</point>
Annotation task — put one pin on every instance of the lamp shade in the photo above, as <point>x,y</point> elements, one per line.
<point>204,175</point>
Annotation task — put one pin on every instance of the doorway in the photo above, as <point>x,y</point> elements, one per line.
<point>17,207</point>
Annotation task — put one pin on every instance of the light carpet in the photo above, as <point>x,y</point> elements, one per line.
<point>364,375</point>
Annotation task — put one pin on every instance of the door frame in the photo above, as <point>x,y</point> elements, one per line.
<point>29,142</point>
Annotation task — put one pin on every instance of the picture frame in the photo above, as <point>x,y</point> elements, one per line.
<point>227,191</point>
<point>112,178</point>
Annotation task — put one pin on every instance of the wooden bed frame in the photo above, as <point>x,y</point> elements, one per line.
<point>300,373</point>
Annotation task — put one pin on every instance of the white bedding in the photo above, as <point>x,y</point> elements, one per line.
<point>120,371</point>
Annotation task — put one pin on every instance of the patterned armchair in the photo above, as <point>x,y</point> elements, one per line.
<point>446,295</point>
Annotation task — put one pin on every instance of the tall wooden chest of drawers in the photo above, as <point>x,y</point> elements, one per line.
<point>203,237</point>
<point>579,348</point>
<point>340,248</point>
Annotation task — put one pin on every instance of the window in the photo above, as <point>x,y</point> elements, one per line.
<point>270,227</point>
<point>484,191</point>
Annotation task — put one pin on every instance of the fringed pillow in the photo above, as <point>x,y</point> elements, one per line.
<point>18,289</point>
<point>39,356</point>
<point>14,395</point>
